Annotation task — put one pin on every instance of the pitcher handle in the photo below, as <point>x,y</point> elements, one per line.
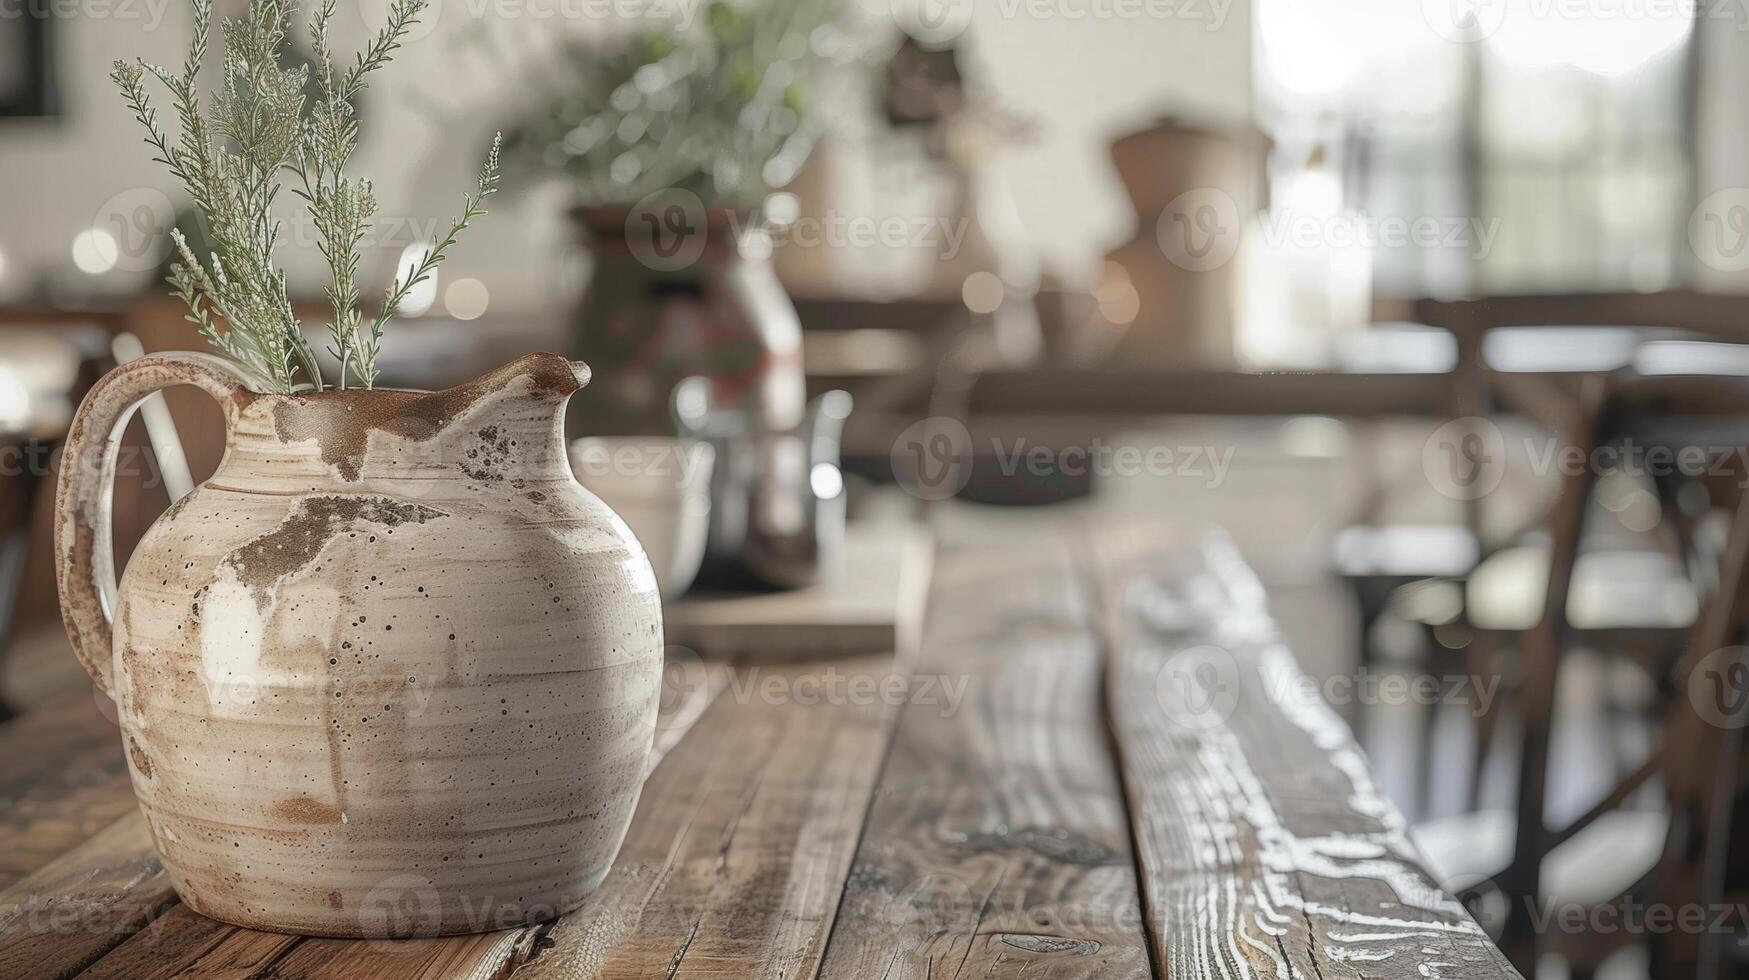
<point>84,548</point>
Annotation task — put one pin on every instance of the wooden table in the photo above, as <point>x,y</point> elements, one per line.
<point>1100,762</point>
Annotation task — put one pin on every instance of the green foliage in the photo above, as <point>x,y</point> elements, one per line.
<point>719,112</point>
<point>267,122</point>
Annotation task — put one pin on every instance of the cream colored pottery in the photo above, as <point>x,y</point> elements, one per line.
<point>662,488</point>
<point>390,672</point>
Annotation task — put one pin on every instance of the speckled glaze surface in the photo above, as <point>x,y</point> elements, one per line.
<point>391,671</point>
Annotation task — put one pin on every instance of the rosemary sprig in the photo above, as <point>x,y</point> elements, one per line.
<point>233,156</point>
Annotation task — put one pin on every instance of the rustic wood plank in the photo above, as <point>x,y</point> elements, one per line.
<point>71,911</point>
<point>1267,848</point>
<point>39,669</point>
<point>62,779</point>
<point>997,845</point>
<point>483,957</point>
<point>183,943</point>
<point>739,849</point>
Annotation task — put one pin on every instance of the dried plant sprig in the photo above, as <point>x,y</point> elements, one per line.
<point>233,160</point>
<point>343,210</point>
<point>229,165</point>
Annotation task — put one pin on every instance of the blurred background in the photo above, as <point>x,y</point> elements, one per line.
<point>1347,279</point>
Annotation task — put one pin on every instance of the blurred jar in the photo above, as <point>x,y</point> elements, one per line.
<point>673,294</point>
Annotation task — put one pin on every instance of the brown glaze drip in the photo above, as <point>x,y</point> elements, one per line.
<point>340,422</point>
<point>141,761</point>
<point>314,522</point>
<point>306,809</point>
<point>77,556</point>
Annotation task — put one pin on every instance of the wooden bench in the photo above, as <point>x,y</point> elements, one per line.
<point>1100,761</point>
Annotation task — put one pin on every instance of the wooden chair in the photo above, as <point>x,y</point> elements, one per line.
<point>1674,856</point>
<point>1475,619</point>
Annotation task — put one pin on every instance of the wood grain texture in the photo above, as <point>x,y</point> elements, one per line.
<point>62,779</point>
<point>81,905</point>
<point>184,943</point>
<point>485,956</point>
<point>743,837</point>
<point>39,670</point>
<point>1267,848</point>
<point>997,845</point>
<point>181,942</point>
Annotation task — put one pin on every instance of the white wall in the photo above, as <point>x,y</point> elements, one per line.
<point>1089,80</point>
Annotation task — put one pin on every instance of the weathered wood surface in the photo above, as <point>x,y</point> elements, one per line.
<point>183,943</point>
<point>742,839</point>
<point>998,844</point>
<point>1266,848</point>
<point>62,779</point>
<point>1100,762</point>
<point>76,908</point>
<point>39,669</point>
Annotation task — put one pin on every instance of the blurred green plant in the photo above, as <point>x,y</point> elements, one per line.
<point>721,112</point>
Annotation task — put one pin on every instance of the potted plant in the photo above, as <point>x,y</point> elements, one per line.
<point>353,669</point>
<point>669,144</point>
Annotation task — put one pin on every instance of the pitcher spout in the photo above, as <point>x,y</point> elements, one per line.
<point>551,376</point>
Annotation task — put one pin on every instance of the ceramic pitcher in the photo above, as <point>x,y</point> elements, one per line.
<point>391,671</point>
